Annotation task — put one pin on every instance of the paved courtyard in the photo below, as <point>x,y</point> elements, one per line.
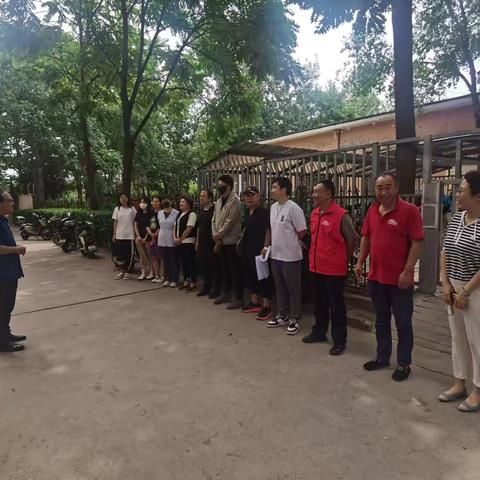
<point>126,381</point>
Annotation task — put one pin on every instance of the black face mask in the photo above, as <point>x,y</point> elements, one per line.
<point>222,189</point>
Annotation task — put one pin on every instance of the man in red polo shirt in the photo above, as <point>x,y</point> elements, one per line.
<point>332,240</point>
<point>393,235</point>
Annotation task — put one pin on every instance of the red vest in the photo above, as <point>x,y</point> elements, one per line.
<point>328,249</point>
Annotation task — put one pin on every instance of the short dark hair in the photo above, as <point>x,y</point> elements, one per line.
<point>2,196</point>
<point>208,192</point>
<point>227,180</point>
<point>472,177</point>
<point>387,174</point>
<point>166,203</point>
<point>188,200</point>
<point>329,185</point>
<point>283,182</point>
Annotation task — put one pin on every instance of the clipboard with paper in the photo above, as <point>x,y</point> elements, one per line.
<point>261,263</point>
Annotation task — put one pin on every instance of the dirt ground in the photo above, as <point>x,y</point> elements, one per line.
<point>122,380</point>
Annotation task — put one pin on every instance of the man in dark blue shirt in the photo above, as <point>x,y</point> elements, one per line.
<point>10,272</point>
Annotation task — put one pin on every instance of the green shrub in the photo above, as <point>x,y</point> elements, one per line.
<point>101,219</point>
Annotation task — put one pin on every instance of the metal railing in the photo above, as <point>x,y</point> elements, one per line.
<point>440,160</point>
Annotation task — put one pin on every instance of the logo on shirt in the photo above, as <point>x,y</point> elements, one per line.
<point>392,222</point>
<point>325,223</point>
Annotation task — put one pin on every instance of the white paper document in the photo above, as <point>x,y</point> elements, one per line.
<point>262,265</point>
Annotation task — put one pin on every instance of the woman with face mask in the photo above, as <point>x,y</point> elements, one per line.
<point>124,235</point>
<point>142,237</point>
<point>156,274</point>
<point>166,242</point>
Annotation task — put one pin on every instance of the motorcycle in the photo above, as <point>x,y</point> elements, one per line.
<point>77,234</point>
<point>55,224</point>
<point>38,228</point>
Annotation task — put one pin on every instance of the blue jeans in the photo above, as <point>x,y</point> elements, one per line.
<point>390,299</point>
<point>169,256</point>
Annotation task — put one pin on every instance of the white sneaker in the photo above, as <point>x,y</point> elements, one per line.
<point>293,327</point>
<point>150,276</point>
<point>126,276</point>
<point>162,280</point>
<point>173,284</point>
<point>166,284</point>
<point>156,280</point>
<point>119,276</point>
<point>277,321</point>
<point>143,276</point>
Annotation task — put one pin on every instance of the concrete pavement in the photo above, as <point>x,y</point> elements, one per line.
<point>123,384</point>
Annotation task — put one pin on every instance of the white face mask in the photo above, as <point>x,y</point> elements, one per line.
<point>143,206</point>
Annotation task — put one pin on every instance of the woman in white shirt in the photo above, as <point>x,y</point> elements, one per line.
<point>185,238</point>
<point>124,235</point>
<point>166,242</point>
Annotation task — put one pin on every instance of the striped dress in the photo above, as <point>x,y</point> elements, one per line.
<point>462,248</point>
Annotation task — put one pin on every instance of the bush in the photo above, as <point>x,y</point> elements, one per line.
<point>101,219</point>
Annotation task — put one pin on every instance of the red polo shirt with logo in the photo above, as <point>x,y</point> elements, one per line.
<point>391,236</point>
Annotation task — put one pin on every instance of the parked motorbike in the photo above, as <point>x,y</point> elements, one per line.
<point>77,234</point>
<point>55,223</point>
<point>38,228</point>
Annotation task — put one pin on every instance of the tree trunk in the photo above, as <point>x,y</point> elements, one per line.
<point>127,160</point>
<point>476,108</point>
<point>39,185</point>
<point>89,164</point>
<point>89,161</point>
<point>406,155</point>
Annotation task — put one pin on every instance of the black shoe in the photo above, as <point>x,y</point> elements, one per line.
<point>11,347</point>
<point>313,337</point>
<point>202,293</point>
<point>17,338</point>
<point>235,304</point>
<point>221,299</point>
<point>375,365</point>
<point>338,349</point>
<point>401,373</point>
<point>213,295</point>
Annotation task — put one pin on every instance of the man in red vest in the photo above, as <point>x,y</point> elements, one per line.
<point>332,240</point>
<point>392,234</point>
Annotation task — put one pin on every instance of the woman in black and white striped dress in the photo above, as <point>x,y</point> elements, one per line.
<point>460,265</point>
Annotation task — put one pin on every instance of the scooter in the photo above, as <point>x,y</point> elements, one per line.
<point>77,234</point>
<point>86,239</point>
<point>38,228</point>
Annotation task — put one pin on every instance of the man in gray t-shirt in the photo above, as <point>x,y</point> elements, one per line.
<point>288,228</point>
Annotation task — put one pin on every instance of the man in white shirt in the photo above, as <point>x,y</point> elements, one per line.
<point>288,228</point>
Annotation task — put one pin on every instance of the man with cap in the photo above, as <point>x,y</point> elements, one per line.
<point>257,227</point>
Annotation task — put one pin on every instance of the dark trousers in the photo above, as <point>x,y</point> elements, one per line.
<point>330,305</point>
<point>187,259</point>
<point>231,272</point>
<point>388,299</point>
<point>125,254</point>
<point>169,256</point>
<point>8,295</point>
<point>210,267</point>
<point>250,278</point>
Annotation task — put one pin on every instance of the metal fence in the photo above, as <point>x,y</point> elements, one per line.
<point>440,163</point>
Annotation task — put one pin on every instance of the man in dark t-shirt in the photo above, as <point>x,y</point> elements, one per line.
<point>257,225</point>
<point>205,247</point>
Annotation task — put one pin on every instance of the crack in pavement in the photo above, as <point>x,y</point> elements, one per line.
<point>93,300</point>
